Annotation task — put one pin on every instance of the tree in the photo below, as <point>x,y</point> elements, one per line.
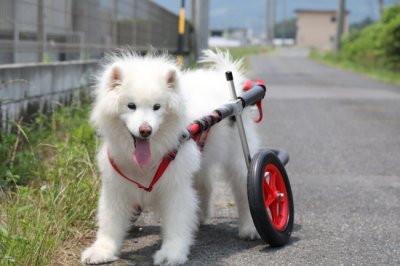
<point>286,29</point>
<point>378,44</point>
<point>357,26</point>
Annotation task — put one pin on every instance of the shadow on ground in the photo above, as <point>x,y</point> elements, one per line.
<point>215,242</point>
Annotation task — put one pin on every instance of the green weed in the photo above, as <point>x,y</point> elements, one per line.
<point>246,51</point>
<point>374,50</point>
<point>238,53</point>
<point>48,186</point>
<point>375,72</point>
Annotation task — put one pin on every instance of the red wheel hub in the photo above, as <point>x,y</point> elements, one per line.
<point>275,197</point>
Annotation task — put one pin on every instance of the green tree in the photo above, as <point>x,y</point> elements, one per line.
<point>286,28</point>
<point>357,26</point>
<point>376,45</point>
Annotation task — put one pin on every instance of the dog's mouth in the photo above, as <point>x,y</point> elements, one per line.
<point>142,154</point>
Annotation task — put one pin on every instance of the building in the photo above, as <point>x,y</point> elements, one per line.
<point>317,28</point>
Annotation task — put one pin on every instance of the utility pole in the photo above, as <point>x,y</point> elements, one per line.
<point>340,24</point>
<point>381,6</point>
<point>270,22</point>
<point>41,37</point>
<point>283,34</point>
<point>200,14</point>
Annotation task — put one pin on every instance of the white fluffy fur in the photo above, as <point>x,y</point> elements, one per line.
<point>146,81</point>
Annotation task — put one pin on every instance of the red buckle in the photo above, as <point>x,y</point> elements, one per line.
<point>247,86</point>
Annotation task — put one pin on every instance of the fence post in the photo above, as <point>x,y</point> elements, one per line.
<point>41,38</point>
<point>270,22</point>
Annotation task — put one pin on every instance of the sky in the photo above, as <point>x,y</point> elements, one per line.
<point>250,13</point>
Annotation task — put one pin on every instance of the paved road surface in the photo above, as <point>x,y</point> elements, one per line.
<point>343,135</point>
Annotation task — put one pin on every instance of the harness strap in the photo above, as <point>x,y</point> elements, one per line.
<point>201,140</point>
<point>160,170</point>
<point>247,86</point>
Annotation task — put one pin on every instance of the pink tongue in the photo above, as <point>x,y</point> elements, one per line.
<point>142,154</point>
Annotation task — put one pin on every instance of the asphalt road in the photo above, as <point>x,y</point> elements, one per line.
<point>342,132</point>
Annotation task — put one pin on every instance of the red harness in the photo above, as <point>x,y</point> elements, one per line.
<point>160,170</point>
<point>247,86</point>
<point>198,136</point>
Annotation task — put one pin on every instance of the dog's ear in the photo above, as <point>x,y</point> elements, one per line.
<point>171,78</point>
<point>115,77</point>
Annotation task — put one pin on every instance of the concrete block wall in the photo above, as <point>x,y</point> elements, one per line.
<point>28,88</point>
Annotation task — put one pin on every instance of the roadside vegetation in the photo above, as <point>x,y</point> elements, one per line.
<point>48,186</point>
<point>246,51</point>
<point>373,50</point>
<point>237,53</point>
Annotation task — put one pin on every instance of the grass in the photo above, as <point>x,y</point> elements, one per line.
<point>246,51</point>
<point>239,52</point>
<point>378,73</point>
<point>48,186</point>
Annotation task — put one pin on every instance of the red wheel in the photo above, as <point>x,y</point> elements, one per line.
<point>275,197</point>
<point>270,198</point>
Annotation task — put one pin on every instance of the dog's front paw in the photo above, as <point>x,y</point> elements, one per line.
<point>248,232</point>
<point>97,254</point>
<point>171,254</point>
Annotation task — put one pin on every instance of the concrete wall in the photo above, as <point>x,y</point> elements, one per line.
<point>28,88</point>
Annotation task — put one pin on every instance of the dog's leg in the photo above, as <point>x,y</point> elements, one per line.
<point>137,210</point>
<point>114,214</point>
<point>177,206</point>
<point>203,187</point>
<point>237,174</point>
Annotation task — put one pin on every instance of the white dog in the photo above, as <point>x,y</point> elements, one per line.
<point>142,105</point>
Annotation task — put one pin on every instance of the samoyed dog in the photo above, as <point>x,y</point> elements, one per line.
<point>142,104</point>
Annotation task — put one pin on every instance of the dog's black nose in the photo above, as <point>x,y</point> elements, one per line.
<point>145,130</point>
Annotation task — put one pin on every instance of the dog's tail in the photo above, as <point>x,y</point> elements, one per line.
<point>222,61</point>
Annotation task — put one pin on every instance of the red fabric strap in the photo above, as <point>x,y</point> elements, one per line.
<point>201,139</point>
<point>247,86</point>
<point>160,170</point>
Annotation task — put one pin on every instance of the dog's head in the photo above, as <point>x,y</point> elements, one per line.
<point>143,94</point>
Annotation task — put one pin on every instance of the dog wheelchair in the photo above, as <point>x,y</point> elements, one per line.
<point>268,187</point>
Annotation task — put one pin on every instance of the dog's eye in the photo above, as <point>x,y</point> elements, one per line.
<point>156,107</point>
<point>132,106</point>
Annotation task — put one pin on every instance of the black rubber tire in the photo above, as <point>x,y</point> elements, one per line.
<point>261,219</point>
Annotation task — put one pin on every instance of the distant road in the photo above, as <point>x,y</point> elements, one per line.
<point>342,132</point>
